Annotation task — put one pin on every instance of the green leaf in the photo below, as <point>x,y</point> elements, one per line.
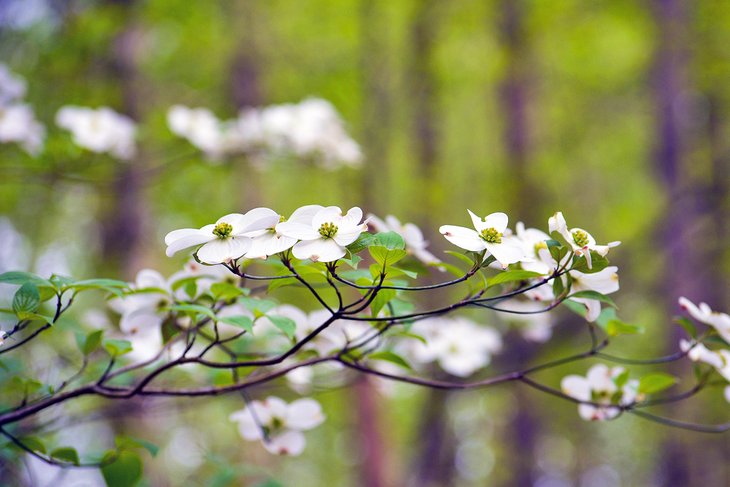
<point>89,343</point>
<point>128,442</point>
<point>34,443</point>
<point>391,357</point>
<point>575,307</point>
<point>381,299</point>
<point>386,257</point>
<point>225,291</point>
<point>598,263</point>
<point>66,454</point>
<point>26,301</point>
<point>257,306</point>
<point>124,471</point>
<point>594,295</point>
<point>284,324</point>
<point>688,326</point>
<point>109,285</point>
<point>239,321</point>
<point>462,257</point>
<point>363,241</point>
<point>511,276</point>
<point>653,383</point>
<point>353,261</point>
<point>395,271</point>
<point>20,278</point>
<point>389,240</point>
<point>117,347</point>
<point>193,310</point>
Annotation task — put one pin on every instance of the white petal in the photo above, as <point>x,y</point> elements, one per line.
<point>288,442</point>
<point>576,387</point>
<point>297,230</point>
<point>330,214</point>
<point>185,238</point>
<point>257,219</point>
<point>352,218</point>
<point>465,238</point>
<point>348,235</point>
<point>498,221</point>
<point>219,250</point>
<point>139,319</point>
<point>727,393</point>
<point>320,250</point>
<point>505,254</point>
<point>304,414</point>
<point>276,406</point>
<point>305,214</point>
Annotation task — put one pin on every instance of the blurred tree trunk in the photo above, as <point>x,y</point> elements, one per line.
<point>376,113</point>
<point>123,225</point>
<point>679,229</point>
<point>434,459</point>
<point>246,92</point>
<point>514,92</point>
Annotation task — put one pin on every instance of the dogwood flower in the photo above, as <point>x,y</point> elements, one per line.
<point>325,238</point>
<point>532,242</point>
<point>488,236</point>
<point>704,314</point>
<point>224,240</point>
<point>580,240</point>
<point>279,425</point>
<point>412,235</point>
<point>99,130</point>
<point>697,352</point>
<point>533,325</point>
<point>271,241</point>
<point>12,86</point>
<point>18,124</point>
<point>599,386</point>
<point>460,346</point>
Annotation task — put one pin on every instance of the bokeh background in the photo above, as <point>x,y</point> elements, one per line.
<point>614,112</point>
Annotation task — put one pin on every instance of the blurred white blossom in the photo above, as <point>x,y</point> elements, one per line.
<point>99,130</point>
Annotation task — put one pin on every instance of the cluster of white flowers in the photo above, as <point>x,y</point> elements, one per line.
<point>412,236</point>
<point>279,425</point>
<point>312,232</point>
<point>311,129</point>
<point>528,247</point>
<point>99,130</point>
<point>17,120</point>
<point>605,387</point>
<point>697,352</point>
<point>460,346</point>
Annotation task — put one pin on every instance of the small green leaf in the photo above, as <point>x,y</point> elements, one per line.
<point>193,310</point>
<point>688,326</point>
<point>117,347</point>
<point>124,471</point>
<point>511,276</point>
<point>128,442</point>
<point>89,343</point>
<point>34,443</point>
<point>395,271</point>
<point>226,291</point>
<point>258,306</point>
<point>386,257</point>
<point>389,240</point>
<point>239,321</point>
<point>391,357</point>
<point>284,324</point>
<point>20,278</point>
<point>462,257</point>
<point>363,241</point>
<point>26,301</point>
<point>653,383</point>
<point>381,299</point>
<point>66,454</point>
<point>594,295</point>
<point>618,327</point>
<point>598,263</point>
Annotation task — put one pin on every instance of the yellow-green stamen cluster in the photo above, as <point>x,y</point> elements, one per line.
<point>539,246</point>
<point>223,230</point>
<point>580,238</point>
<point>491,235</point>
<point>328,230</point>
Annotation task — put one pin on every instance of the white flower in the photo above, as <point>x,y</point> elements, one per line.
<point>3,336</point>
<point>488,235</point>
<point>532,242</point>
<point>271,241</point>
<point>99,130</point>
<point>203,129</point>
<point>604,282</point>
<point>599,386</point>
<point>12,87</point>
<point>412,235</point>
<point>204,275</point>
<point>704,314</point>
<point>18,124</point>
<point>536,327</point>
<point>460,346</point>
<point>279,425</point>
<point>224,240</point>
<point>697,352</point>
<point>581,241</point>
<point>325,238</point>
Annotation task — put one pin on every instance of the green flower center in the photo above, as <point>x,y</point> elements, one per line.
<point>328,230</point>
<point>540,245</point>
<point>491,235</point>
<point>223,230</point>
<point>276,423</point>
<point>580,238</point>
